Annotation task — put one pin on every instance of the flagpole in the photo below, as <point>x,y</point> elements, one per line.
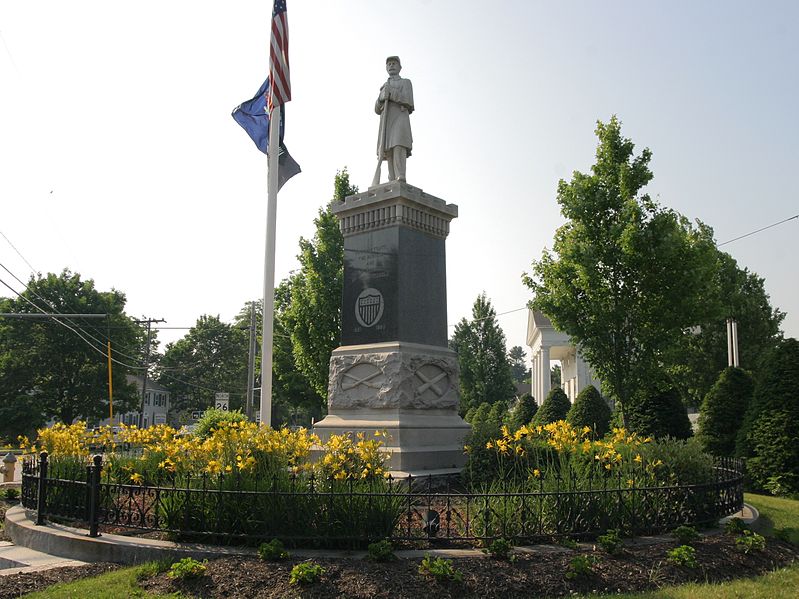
<point>269,270</point>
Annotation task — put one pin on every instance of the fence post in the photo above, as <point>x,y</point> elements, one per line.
<point>41,499</point>
<point>94,496</point>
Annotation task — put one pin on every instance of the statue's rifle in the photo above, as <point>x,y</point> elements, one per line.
<point>382,137</point>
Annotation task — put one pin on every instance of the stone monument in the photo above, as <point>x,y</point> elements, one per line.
<point>394,370</point>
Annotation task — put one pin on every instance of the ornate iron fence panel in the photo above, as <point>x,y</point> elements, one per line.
<point>306,510</point>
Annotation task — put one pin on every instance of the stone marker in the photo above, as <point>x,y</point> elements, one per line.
<point>394,371</point>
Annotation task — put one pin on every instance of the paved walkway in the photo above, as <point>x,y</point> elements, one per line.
<point>15,559</point>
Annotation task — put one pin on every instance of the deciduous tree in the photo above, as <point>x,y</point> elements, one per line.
<point>625,276</point>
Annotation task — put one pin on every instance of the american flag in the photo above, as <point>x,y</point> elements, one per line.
<point>280,90</point>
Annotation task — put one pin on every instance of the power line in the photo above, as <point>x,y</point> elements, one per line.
<point>33,270</point>
<point>759,230</point>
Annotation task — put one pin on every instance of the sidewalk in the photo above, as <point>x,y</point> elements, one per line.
<point>15,560</point>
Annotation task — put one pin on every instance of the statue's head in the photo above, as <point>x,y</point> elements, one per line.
<point>393,65</point>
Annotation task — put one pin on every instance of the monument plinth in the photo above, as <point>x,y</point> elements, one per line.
<point>394,371</point>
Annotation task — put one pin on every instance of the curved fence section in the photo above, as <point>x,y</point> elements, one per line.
<point>309,511</point>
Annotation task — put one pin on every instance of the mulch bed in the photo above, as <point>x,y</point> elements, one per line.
<point>638,568</point>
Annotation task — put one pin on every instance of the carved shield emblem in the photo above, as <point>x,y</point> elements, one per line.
<point>369,307</point>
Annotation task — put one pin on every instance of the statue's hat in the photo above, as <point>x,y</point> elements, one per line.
<point>394,58</point>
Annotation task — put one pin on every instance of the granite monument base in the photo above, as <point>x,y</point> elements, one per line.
<point>408,390</point>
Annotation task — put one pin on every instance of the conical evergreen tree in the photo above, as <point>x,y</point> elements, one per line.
<point>554,408</point>
<point>723,409</point>
<point>591,410</point>
<point>523,412</point>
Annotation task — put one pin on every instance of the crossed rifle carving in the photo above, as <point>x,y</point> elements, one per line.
<point>430,383</point>
<point>361,381</point>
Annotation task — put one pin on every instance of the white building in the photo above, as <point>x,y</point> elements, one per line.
<point>548,344</point>
<point>156,404</point>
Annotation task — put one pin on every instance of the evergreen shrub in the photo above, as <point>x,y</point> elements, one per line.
<point>554,408</point>
<point>723,410</point>
<point>591,410</point>
<point>523,412</point>
<point>658,413</point>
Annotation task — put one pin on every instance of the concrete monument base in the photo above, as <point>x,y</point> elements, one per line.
<point>408,390</point>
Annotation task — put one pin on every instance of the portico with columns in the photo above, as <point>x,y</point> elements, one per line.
<point>546,344</point>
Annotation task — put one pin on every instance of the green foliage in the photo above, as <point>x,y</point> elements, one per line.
<point>48,371</point>
<point>625,276</point>
<point>684,555</point>
<point>441,569</point>
<point>150,569</point>
<point>769,436</point>
<point>211,357</point>
<point>314,314</point>
<point>685,461</point>
<point>523,412</point>
<point>518,368</point>
<point>700,354</point>
<point>11,494</point>
<point>591,410</point>
<point>611,541</point>
<point>722,411</point>
<point>213,418</point>
<point>685,535</point>
<point>485,374</point>
<point>581,566</point>
<point>381,551</point>
<point>555,407</point>
<point>306,573</point>
<point>658,412</point>
<point>272,551</point>
<point>186,568</point>
<point>735,526</point>
<point>499,549</point>
<point>750,542</point>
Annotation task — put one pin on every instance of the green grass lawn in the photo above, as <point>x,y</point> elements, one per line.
<point>775,515</point>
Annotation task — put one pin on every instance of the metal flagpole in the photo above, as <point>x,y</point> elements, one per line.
<point>269,269</point>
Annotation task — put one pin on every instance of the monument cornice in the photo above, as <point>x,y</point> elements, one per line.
<point>391,204</point>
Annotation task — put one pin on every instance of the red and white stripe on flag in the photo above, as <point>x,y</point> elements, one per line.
<point>280,89</point>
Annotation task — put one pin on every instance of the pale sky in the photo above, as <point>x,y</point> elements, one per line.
<point>119,158</point>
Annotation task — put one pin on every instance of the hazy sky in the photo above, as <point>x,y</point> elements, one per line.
<point>119,158</point>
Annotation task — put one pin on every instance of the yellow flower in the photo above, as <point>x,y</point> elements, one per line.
<point>537,473</point>
<point>136,478</point>
<point>637,458</point>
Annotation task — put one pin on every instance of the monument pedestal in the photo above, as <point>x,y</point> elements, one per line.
<point>394,371</point>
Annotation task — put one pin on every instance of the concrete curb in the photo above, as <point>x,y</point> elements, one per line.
<point>75,544</point>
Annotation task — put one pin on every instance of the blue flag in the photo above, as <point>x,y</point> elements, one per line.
<point>254,119</point>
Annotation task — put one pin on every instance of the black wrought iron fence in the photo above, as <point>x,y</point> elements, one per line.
<point>311,511</point>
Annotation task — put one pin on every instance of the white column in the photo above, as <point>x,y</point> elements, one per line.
<point>534,379</point>
<point>736,363</point>
<point>545,379</point>
<point>730,359</point>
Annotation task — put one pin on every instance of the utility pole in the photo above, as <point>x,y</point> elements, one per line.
<point>149,322</point>
<point>251,363</point>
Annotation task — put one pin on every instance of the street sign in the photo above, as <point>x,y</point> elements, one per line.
<point>221,401</point>
<point>258,416</point>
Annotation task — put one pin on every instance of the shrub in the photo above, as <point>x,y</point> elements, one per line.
<point>441,569</point>
<point>188,567</point>
<point>212,418</point>
<point>591,410</point>
<point>685,535</point>
<point>554,408</point>
<point>750,541</point>
<point>769,434</point>
<point>684,555</point>
<point>722,409</point>
<point>735,526</point>
<point>306,573</point>
<point>272,551</point>
<point>382,551</point>
<point>499,549</point>
<point>11,494</point>
<point>523,412</point>
<point>580,565</point>
<point>658,413</point>
<point>610,542</point>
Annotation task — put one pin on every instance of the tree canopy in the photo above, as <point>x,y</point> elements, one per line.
<point>625,276</point>
<point>51,370</point>
<point>210,358</point>
<point>314,313</point>
<point>485,374</point>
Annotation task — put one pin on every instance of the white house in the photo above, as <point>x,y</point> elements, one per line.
<point>156,404</point>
